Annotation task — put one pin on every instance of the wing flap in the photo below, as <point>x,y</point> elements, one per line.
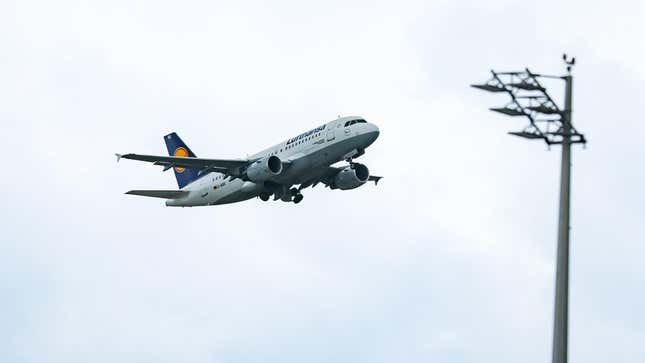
<point>165,194</point>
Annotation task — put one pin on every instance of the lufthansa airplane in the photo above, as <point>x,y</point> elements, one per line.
<point>303,161</point>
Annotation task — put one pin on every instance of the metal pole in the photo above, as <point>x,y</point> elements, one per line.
<point>561,311</point>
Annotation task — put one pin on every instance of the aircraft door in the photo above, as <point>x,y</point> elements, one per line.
<point>331,131</point>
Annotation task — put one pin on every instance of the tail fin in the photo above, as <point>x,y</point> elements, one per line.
<point>176,147</point>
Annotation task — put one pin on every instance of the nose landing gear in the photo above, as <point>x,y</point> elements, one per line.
<point>265,196</point>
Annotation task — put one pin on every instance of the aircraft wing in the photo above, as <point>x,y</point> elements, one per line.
<point>231,167</point>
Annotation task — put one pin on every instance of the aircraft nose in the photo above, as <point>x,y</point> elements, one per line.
<point>373,129</point>
<point>372,133</point>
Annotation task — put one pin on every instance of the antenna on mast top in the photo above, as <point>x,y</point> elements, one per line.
<point>569,62</point>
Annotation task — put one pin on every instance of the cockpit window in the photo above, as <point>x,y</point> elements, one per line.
<point>359,121</point>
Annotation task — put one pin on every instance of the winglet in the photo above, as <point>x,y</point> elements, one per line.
<point>118,157</point>
<point>375,179</point>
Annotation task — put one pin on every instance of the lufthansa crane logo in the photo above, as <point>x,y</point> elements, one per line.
<point>182,153</point>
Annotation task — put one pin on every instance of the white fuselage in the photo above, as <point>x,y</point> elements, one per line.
<point>308,154</point>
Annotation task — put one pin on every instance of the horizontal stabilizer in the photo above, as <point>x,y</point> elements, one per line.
<point>166,194</point>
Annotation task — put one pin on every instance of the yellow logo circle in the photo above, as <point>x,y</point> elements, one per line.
<point>182,153</point>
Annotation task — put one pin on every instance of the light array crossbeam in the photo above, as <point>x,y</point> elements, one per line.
<point>530,99</point>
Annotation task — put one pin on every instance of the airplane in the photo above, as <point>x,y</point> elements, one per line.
<point>304,160</point>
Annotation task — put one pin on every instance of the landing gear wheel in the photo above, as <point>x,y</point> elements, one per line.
<point>265,196</point>
<point>298,198</point>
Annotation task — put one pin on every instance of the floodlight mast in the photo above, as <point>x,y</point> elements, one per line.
<point>530,99</point>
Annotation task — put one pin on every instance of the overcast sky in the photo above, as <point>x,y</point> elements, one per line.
<point>449,259</point>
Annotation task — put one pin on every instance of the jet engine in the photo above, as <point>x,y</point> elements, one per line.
<point>351,177</point>
<point>264,169</point>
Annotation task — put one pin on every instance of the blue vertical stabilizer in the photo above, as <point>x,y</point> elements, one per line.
<point>176,147</point>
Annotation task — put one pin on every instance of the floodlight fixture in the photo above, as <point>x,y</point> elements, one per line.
<point>526,134</point>
<point>527,86</point>
<point>508,111</point>
<point>490,87</point>
<point>545,109</point>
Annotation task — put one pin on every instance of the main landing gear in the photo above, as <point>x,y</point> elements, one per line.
<point>292,195</point>
<point>296,195</point>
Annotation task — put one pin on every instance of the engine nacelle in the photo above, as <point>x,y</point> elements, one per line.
<point>351,177</point>
<point>264,169</point>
